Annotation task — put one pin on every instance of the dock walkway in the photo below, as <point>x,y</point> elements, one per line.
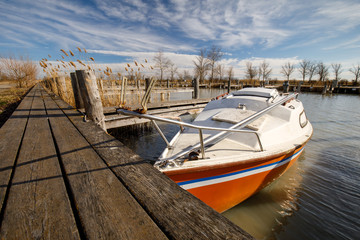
<point>64,178</point>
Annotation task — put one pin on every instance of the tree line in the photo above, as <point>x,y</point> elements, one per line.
<point>207,68</point>
<point>206,63</point>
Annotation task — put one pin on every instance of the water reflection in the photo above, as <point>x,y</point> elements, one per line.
<point>263,213</point>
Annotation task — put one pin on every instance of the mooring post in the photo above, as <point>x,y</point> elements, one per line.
<point>229,86</point>
<point>334,83</point>
<point>147,83</point>
<point>79,103</point>
<point>325,88</point>
<point>196,88</point>
<point>91,97</point>
<point>61,86</point>
<point>47,83</point>
<point>286,87</point>
<point>299,86</point>
<point>54,87</point>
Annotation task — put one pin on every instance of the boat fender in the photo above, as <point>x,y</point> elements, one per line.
<point>288,101</point>
<point>221,96</point>
<point>194,155</point>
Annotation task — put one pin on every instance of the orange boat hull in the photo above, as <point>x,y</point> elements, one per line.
<point>226,186</point>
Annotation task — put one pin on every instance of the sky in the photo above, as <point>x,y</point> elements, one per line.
<point>118,32</point>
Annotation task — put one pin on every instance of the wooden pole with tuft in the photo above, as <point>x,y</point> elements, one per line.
<point>286,87</point>
<point>196,88</point>
<point>61,86</point>
<point>91,97</point>
<point>229,86</point>
<point>52,85</point>
<point>76,90</point>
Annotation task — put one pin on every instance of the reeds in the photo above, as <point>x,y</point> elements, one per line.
<point>109,81</point>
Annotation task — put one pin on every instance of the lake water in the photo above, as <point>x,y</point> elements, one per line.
<point>318,197</point>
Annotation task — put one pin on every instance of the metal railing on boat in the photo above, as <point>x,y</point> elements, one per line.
<point>223,131</point>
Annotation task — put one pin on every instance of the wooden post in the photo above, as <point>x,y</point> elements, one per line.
<point>76,90</point>
<point>196,88</point>
<point>334,83</point>
<point>48,84</point>
<point>123,91</point>
<point>61,86</point>
<point>325,88</point>
<point>286,87</point>
<point>147,83</point>
<point>299,86</point>
<point>162,96</point>
<point>229,86</point>
<point>91,97</point>
<point>53,85</point>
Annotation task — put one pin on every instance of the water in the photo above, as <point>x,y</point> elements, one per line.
<point>317,198</point>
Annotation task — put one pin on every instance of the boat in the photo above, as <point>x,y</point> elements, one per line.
<point>236,146</point>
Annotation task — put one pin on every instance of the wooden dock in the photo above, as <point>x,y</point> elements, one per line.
<point>165,109</point>
<point>64,178</point>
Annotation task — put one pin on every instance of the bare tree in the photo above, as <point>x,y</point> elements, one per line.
<point>2,75</point>
<point>186,75</point>
<point>173,71</point>
<point>21,70</point>
<point>311,70</point>
<point>162,63</point>
<point>220,71</point>
<point>201,65</point>
<point>337,70</point>
<point>287,69</point>
<point>356,71</point>
<point>264,71</point>
<point>322,71</point>
<point>214,55</point>
<point>304,68</point>
<point>251,71</point>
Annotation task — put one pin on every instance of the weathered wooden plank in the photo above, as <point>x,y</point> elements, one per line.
<point>11,134</point>
<point>151,106</point>
<point>106,208</point>
<point>177,212</point>
<point>38,206</point>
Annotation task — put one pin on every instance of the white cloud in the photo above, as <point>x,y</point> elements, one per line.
<point>179,26</point>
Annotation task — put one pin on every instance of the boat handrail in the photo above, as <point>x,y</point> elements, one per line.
<point>223,131</point>
<point>184,124</point>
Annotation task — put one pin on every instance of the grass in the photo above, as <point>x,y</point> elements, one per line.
<point>10,98</point>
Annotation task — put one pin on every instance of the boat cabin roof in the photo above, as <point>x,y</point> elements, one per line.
<point>258,92</point>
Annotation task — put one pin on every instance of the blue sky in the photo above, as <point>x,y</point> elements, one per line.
<point>116,32</point>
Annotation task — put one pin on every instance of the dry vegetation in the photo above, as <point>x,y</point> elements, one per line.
<point>109,82</point>
<point>19,70</point>
<point>9,100</point>
<point>17,75</point>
